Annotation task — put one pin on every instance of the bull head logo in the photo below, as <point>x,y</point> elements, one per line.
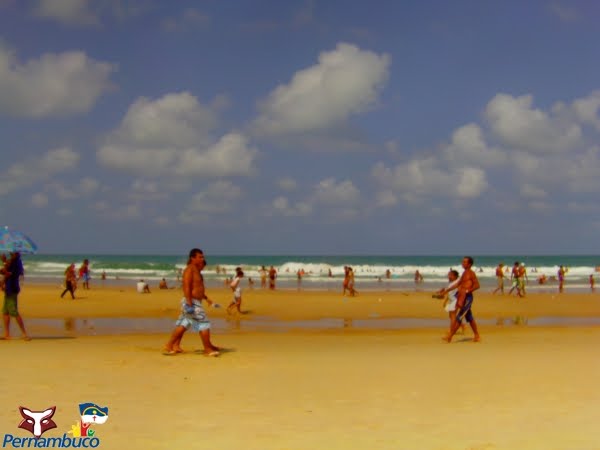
<point>37,422</point>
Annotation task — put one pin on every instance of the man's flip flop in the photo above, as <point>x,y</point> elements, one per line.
<point>169,352</point>
<point>215,353</point>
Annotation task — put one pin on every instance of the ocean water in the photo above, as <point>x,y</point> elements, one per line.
<point>128,269</point>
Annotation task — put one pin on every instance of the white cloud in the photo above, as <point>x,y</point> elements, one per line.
<point>218,198</point>
<point>39,200</point>
<point>472,182</point>
<point>586,109</point>
<point>148,191</point>
<point>540,206</point>
<point>281,205</point>
<point>162,221</point>
<point>61,191</point>
<point>67,12</point>
<point>345,81</point>
<point>190,19</point>
<point>54,85</point>
<point>533,192</point>
<point>231,155</point>
<point>328,199</point>
<point>88,13</point>
<point>287,184</point>
<point>582,172</point>
<point>518,125</point>
<point>427,177</point>
<point>329,192</point>
<point>468,146</point>
<point>385,199</point>
<point>33,170</point>
<point>392,147</point>
<point>86,187</point>
<point>114,212</point>
<point>172,136</point>
<point>176,120</point>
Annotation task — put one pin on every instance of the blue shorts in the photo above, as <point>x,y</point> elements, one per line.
<point>465,311</point>
<point>196,319</point>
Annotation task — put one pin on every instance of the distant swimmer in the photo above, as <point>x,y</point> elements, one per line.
<point>272,277</point>
<point>346,280</point>
<point>263,277</point>
<point>418,277</point>
<point>351,289</point>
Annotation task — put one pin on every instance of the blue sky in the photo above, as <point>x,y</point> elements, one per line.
<point>311,127</point>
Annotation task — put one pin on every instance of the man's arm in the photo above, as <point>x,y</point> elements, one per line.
<point>472,283</point>
<point>188,283</point>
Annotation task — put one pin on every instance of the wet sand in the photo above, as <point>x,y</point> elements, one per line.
<point>520,388</point>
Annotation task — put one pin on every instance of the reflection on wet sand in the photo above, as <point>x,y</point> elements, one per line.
<point>122,325</point>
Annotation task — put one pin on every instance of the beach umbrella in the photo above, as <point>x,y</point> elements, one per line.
<point>16,241</point>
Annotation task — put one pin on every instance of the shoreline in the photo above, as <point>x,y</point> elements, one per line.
<point>42,301</point>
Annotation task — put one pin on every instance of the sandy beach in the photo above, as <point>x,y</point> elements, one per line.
<point>522,387</point>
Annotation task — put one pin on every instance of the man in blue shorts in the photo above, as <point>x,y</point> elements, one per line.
<point>192,313</point>
<point>467,284</point>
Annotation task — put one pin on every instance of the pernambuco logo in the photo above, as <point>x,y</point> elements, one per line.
<point>38,422</point>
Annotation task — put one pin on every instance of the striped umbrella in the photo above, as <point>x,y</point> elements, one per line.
<point>15,241</point>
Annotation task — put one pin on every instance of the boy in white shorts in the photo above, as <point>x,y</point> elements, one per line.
<point>237,291</point>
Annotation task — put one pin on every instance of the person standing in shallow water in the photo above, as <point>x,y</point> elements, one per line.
<point>192,313</point>
<point>561,279</point>
<point>272,277</point>
<point>263,277</point>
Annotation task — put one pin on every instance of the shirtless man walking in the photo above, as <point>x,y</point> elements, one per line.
<point>192,313</point>
<point>467,283</point>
